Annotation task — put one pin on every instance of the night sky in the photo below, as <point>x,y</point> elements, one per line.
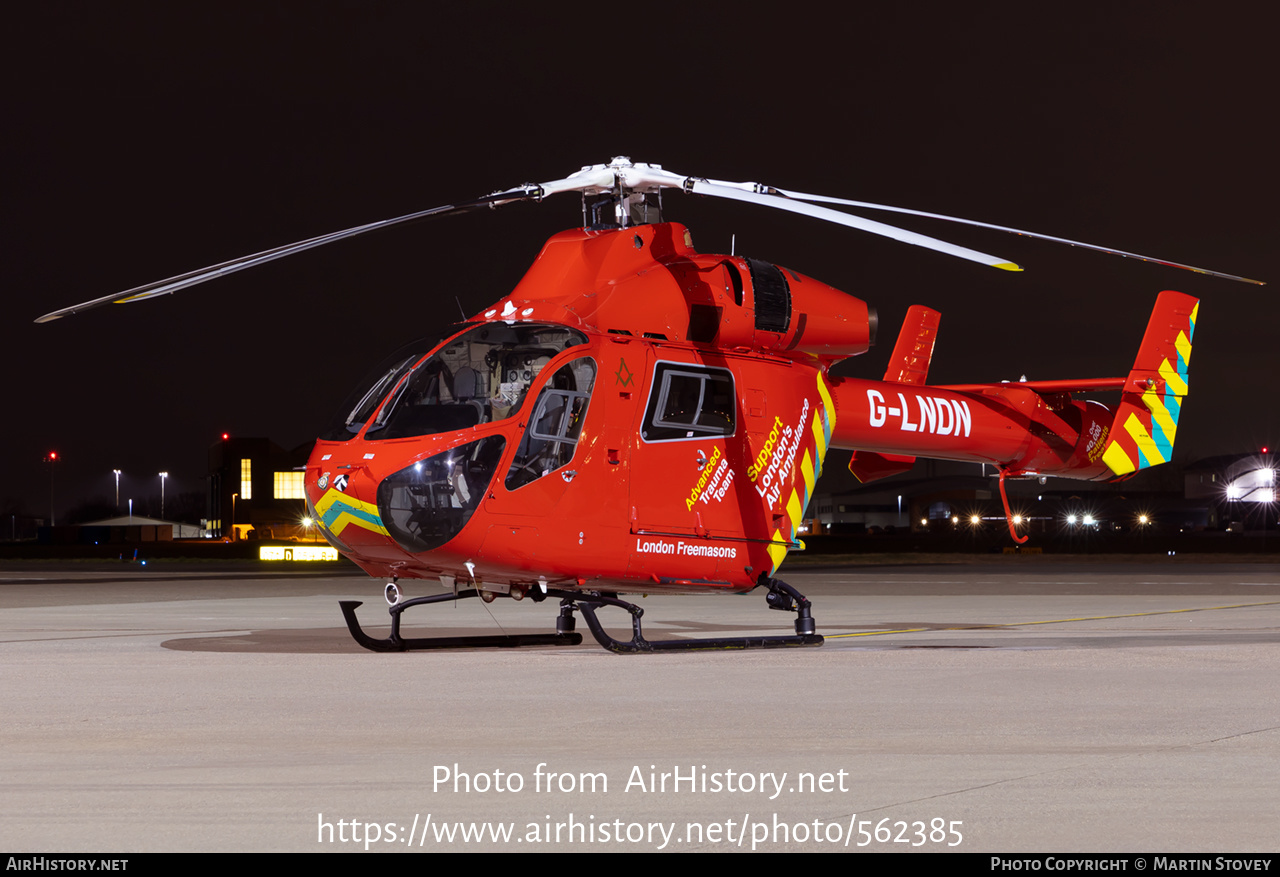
<point>142,141</point>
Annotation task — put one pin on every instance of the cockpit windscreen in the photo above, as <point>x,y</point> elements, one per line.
<point>480,376</point>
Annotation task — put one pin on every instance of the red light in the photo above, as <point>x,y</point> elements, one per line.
<point>225,436</point>
<point>53,455</point>
<point>1264,449</point>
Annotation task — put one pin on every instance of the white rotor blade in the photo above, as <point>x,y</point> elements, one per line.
<point>201,275</point>
<point>737,193</point>
<point>826,199</point>
<point>624,176</point>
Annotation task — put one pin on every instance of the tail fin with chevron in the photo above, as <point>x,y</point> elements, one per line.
<point>1146,422</point>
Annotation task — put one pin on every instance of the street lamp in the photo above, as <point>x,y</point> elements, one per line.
<point>51,458</point>
<point>163,476</point>
<point>116,472</point>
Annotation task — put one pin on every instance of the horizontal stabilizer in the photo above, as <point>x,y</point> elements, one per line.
<point>867,466</point>
<point>1045,388</point>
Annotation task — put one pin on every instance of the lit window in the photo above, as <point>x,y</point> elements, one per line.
<point>246,479</point>
<point>288,485</point>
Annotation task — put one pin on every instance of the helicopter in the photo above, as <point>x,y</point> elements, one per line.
<point>637,417</point>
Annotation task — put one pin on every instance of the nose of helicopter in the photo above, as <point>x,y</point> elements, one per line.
<point>339,511</point>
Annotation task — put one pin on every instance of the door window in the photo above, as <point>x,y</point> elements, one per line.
<point>689,401</point>
<point>551,437</point>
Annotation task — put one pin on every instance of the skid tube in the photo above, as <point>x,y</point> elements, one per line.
<point>564,635</point>
<point>781,596</point>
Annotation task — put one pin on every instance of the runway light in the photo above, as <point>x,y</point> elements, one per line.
<point>1017,519</point>
<point>975,520</point>
<point>1143,520</point>
<point>1089,520</point>
<point>1071,519</point>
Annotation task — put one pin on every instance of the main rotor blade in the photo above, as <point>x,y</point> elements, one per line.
<point>201,275</point>
<point>826,199</point>
<point>735,192</point>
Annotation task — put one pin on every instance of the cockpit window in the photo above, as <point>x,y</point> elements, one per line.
<point>478,377</point>
<point>425,505</point>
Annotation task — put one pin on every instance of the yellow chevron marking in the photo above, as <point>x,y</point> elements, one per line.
<point>819,433</point>
<point>819,440</point>
<point>1173,379</point>
<point>794,512</point>
<point>1146,445</point>
<point>1183,344</point>
<point>331,496</point>
<point>777,550</point>
<point>810,469</point>
<point>827,405</point>
<point>1117,460</point>
<point>1007,266</point>
<point>344,518</point>
<point>1194,313</point>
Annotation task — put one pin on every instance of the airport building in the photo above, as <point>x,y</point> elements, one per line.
<point>255,490</point>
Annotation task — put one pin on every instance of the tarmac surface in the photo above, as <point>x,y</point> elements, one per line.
<point>1011,705</point>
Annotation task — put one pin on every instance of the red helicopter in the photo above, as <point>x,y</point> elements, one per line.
<point>636,416</point>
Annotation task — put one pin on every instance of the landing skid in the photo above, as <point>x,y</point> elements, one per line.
<point>396,643</point>
<point>781,596</point>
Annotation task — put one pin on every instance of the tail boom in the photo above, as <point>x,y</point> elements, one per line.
<point>1036,427</point>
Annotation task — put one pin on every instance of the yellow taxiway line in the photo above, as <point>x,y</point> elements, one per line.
<point>1051,621</point>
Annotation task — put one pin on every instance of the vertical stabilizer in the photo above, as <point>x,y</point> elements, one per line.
<point>1146,423</point>
<point>909,363</point>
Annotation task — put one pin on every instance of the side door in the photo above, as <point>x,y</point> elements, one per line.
<point>546,453</point>
<point>683,478</point>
